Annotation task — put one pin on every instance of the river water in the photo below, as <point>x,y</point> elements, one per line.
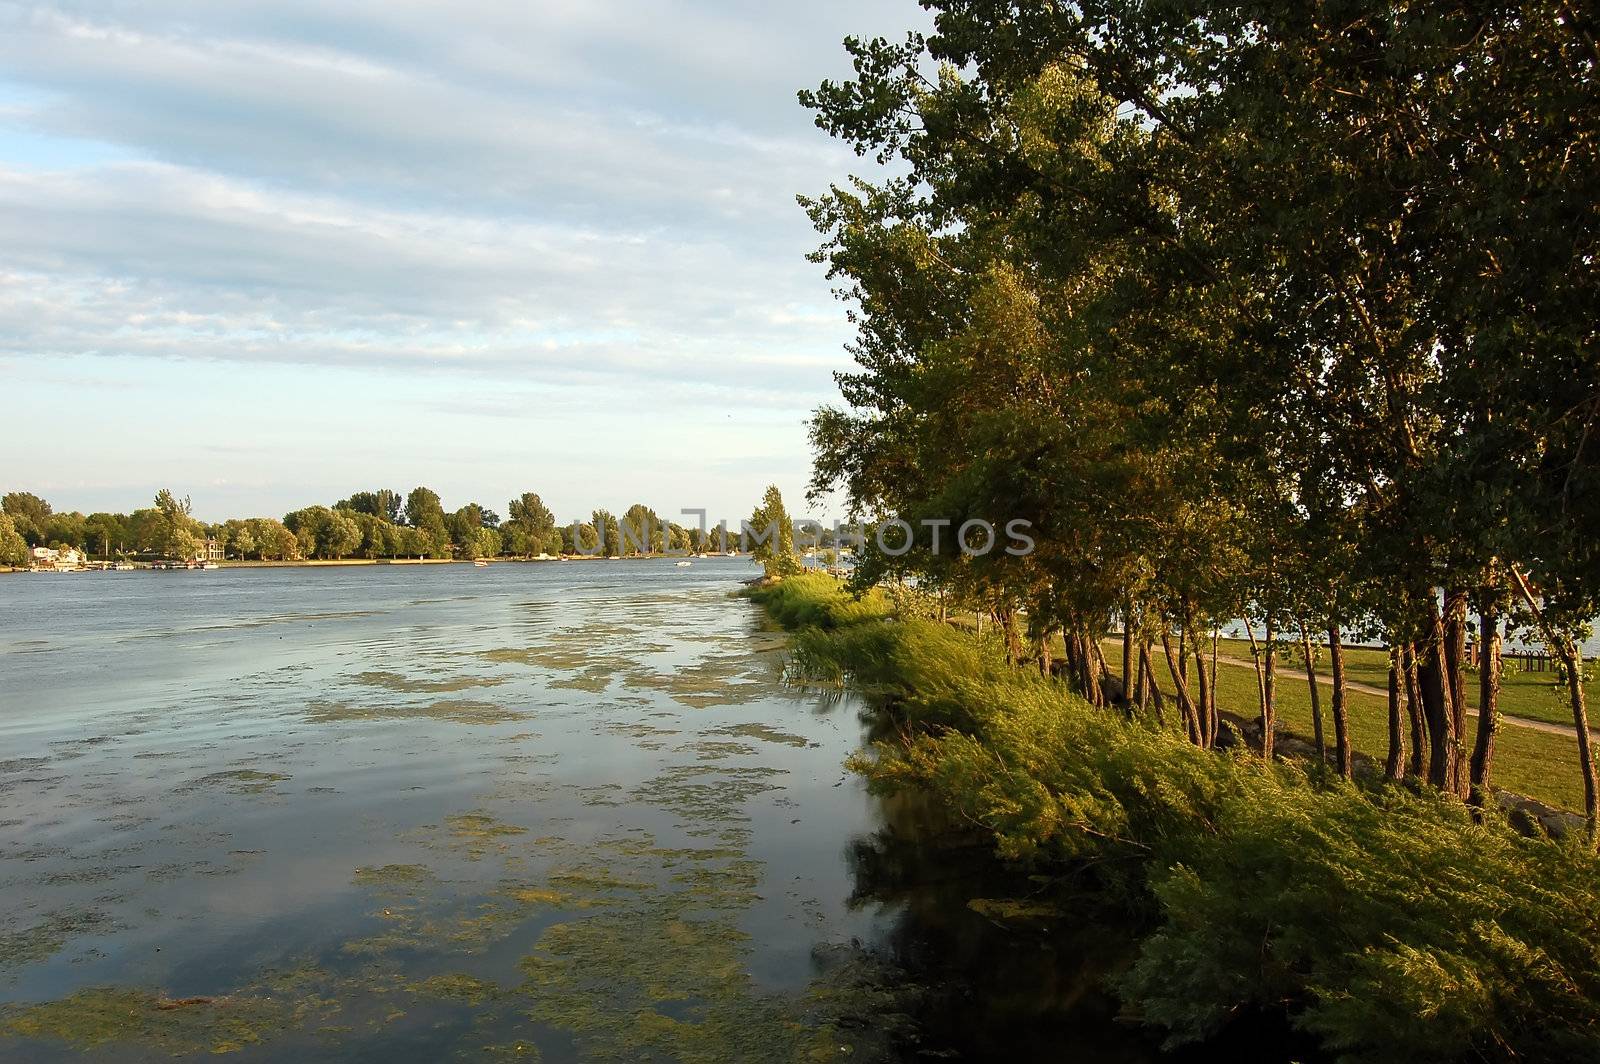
<point>560,811</point>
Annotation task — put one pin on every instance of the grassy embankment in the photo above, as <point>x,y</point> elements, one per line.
<point>1387,923</point>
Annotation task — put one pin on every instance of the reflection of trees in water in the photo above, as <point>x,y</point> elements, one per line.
<point>991,989</point>
<point>1014,989</point>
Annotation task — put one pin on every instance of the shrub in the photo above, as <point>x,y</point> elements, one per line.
<point>1392,925</point>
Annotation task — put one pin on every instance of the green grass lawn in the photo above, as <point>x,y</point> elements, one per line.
<point>1534,695</point>
<point>1527,762</point>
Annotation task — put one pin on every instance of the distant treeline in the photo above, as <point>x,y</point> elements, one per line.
<point>368,524</point>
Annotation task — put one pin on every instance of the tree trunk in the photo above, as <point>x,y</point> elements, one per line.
<point>1092,671</point>
<point>1269,680</point>
<point>1077,668</point>
<point>1151,689</point>
<point>1341,723</point>
<point>1413,704</point>
<point>1185,704</point>
<point>1316,695</point>
<point>1206,712</point>
<point>1455,640</point>
<point>1208,708</point>
<point>1070,656</point>
<point>1488,707</point>
<point>1394,768</point>
<point>1045,664</point>
<point>1433,678</point>
<point>1013,637</point>
<point>1102,667</point>
<point>1005,619</point>
<point>1572,660</point>
<point>1216,714</point>
<point>1127,657</point>
<point>1264,684</point>
<point>1261,687</point>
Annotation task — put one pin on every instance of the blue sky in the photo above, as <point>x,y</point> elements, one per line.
<point>272,253</point>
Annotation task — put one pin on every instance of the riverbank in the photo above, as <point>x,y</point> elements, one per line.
<point>1251,892</point>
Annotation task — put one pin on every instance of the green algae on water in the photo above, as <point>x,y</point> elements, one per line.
<point>456,711</point>
<point>455,986</point>
<point>594,680</point>
<point>393,876</point>
<point>101,1016</point>
<point>394,681</point>
<point>765,733</point>
<point>707,794</point>
<point>1014,909</point>
<point>239,781</point>
<point>44,940</point>
<point>716,750</point>
<point>479,833</point>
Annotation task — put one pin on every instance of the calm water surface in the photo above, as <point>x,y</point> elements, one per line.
<point>554,811</point>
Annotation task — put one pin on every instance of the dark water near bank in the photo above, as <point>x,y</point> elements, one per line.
<point>557,811</point>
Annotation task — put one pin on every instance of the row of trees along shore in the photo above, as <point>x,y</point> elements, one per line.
<point>368,524</point>
<point>1277,311</point>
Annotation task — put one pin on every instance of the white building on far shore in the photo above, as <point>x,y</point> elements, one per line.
<point>64,559</point>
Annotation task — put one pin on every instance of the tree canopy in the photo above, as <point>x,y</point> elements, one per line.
<point>1267,310</point>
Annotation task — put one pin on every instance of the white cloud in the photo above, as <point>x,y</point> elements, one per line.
<point>588,194</point>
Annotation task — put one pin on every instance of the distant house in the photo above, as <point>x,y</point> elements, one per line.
<point>49,558</point>
<point>210,551</point>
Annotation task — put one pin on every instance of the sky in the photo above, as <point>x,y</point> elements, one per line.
<point>269,254</point>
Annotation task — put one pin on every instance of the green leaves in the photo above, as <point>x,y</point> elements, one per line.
<point>1394,926</point>
<point>771,536</point>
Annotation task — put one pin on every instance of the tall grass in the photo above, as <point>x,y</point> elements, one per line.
<point>1391,924</point>
<point>818,600</point>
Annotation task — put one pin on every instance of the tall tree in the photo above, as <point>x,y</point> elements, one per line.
<point>30,515</point>
<point>13,548</point>
<point>177,534</point>
<point>641,530</point>
<point>105,532</point>
<point>772,542</point>
<point>530,527</point>
<point>423,511</point>
<point>607,534</point>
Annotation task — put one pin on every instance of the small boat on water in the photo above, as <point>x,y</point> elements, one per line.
<point>684,565</point>
<point>211,565</point>
<point>480,563</point>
